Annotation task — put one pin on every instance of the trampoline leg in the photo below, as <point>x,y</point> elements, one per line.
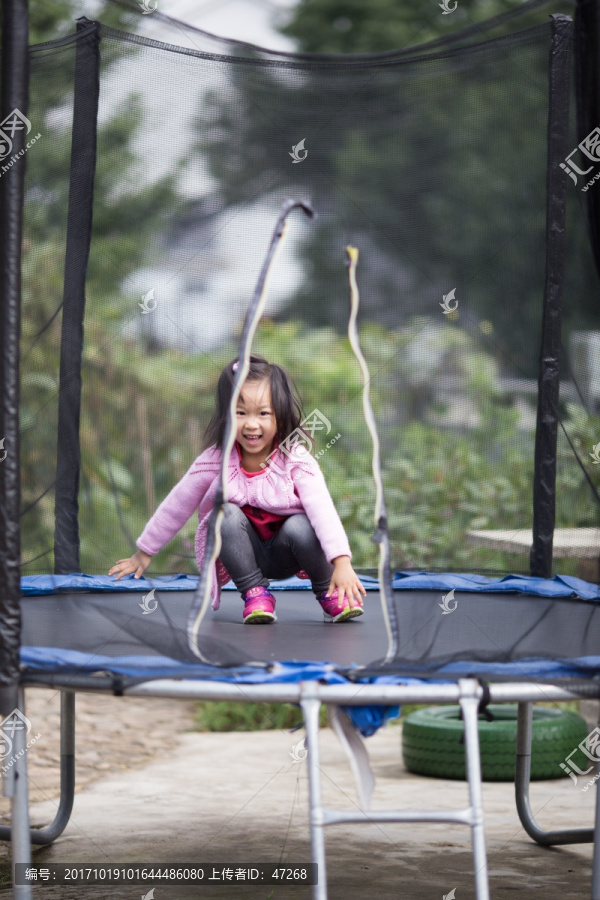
<point>310,708</point>
<point>67,777</point>
<point>16,789</point>
<point>469,704</point>
<point>522,779</point>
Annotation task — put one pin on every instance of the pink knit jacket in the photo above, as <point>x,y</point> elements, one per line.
<point>288,488</point>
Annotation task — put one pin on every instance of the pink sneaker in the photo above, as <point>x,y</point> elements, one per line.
<point>336,611</point>
<point>259,606</point>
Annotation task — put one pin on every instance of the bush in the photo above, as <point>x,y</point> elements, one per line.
<point>230,716</point>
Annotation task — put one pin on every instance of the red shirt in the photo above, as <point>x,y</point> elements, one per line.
<point>265,523</point>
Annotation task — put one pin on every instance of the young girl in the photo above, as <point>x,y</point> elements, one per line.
<point>279,519</point>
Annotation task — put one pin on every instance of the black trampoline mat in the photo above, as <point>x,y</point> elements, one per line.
<point>484,627</point>
<point>113,624</point>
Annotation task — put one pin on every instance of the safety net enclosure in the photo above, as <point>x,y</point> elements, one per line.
<point>431,162</point>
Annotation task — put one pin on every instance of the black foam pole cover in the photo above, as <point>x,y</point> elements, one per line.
<point>13,117</point>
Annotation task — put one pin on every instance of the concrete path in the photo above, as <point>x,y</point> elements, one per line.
<point>239,798</point>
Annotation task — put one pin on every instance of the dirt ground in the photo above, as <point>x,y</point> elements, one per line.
<point>111,736</point>
<point>152,791</point>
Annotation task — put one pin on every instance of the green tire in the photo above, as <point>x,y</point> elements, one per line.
<point>431,742</point>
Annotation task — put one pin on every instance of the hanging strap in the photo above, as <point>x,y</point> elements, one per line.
<point>381,535</point>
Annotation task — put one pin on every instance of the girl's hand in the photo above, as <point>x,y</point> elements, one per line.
<point>137,563</point>
<point>347,582</point>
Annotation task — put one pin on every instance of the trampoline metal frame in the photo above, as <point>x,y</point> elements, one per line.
<point>309,695</point>
<point>67,777</point>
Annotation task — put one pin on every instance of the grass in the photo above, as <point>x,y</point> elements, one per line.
<point>567,706</point>
<point>230,716</point>
<point>5,875</point>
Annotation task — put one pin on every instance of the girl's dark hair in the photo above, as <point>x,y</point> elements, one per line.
<point>287,405</point>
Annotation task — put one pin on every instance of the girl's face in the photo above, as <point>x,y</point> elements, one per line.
<point>256,424</point>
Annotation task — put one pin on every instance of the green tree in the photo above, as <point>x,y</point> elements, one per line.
<point>434,169</point>
<point>349,26</point>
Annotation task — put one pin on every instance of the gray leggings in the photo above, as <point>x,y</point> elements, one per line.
<point>251,561</point>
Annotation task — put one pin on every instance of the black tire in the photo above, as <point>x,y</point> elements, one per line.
<point>431,742</point>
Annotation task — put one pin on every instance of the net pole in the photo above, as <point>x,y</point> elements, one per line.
<point>14,97</point>
<point>14,126</point>
<point>544,477</point>
<point>79,235</point>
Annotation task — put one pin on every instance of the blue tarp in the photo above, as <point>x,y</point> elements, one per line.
<point>75,662</point>
<point>366,718</point>
<point>559,586</point>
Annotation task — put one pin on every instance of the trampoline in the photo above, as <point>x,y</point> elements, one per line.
<point>511,637</point>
